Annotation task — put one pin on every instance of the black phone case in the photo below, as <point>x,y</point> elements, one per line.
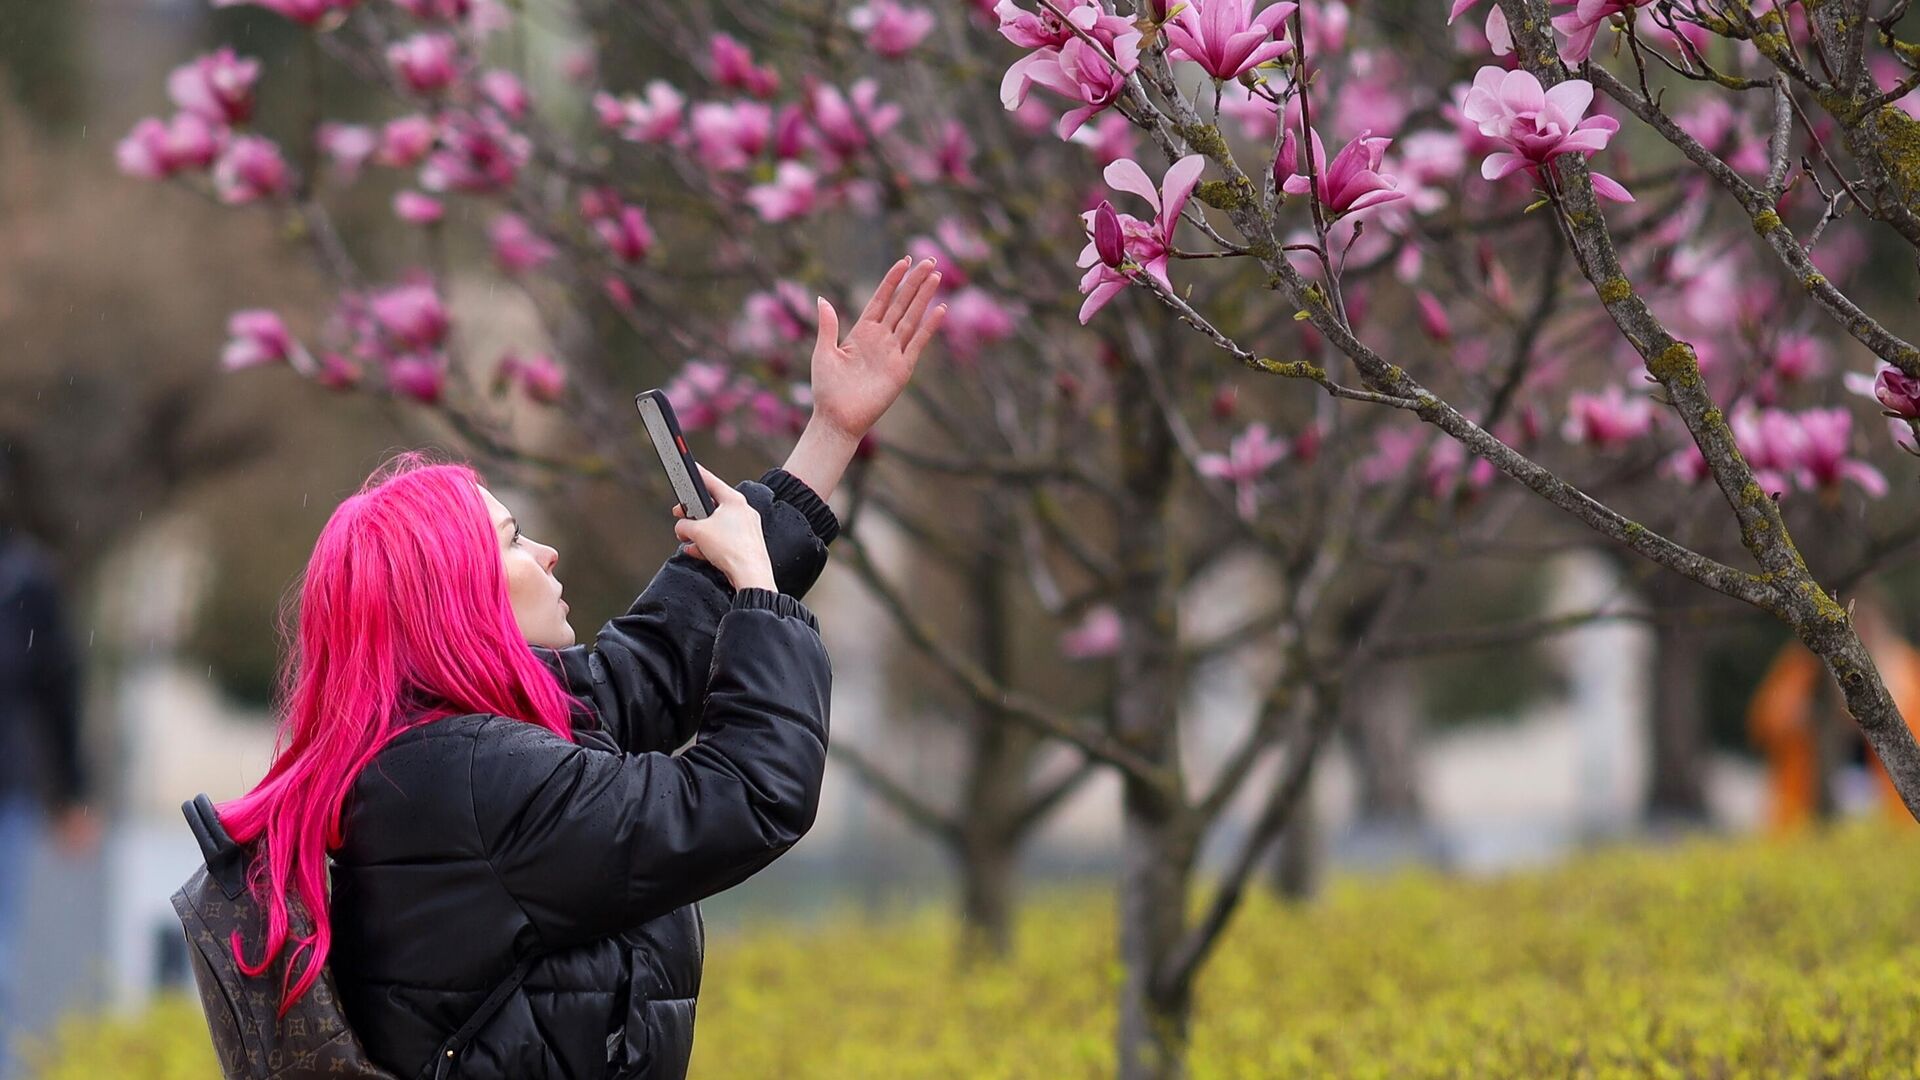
<point>656,412</point>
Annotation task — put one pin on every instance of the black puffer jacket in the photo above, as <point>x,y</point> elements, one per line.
<point>472,841</point>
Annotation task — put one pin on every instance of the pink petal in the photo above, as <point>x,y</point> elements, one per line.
<point>1608,188</point>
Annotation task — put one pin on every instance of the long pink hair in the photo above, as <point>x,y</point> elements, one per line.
<point>403,618</point>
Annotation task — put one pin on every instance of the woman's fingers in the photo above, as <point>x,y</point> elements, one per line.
<point>927,327</point>
<point>904,295</point>
<point>910,322</point>
<point>883,295</point>
<point>717,487</point>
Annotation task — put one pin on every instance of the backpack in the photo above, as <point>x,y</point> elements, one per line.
<point>250,1039</point>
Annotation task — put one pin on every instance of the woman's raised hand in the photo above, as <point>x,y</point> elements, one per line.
<point>730,538</point>
<point>854,384</point>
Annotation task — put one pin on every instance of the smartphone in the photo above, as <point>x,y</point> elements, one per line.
<point>656,412</point>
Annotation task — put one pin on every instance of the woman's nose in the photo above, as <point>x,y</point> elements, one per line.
<point>550,557</point>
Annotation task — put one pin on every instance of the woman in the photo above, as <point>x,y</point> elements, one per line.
<point>488,790</point>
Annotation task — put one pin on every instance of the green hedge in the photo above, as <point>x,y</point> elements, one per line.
<point>1709,960</point>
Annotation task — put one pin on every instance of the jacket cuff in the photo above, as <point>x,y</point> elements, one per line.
<point>777,602</point>
<point>791,489</point>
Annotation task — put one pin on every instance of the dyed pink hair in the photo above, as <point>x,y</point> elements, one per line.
<point>403,618</point>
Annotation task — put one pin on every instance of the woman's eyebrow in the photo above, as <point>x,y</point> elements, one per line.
<point>509,521</point>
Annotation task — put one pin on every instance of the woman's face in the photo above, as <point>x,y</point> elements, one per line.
<point>531,586</point>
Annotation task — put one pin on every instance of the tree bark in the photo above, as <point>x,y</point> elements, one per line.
<point>1386,726</point>
<point>1677,792</point>
<point>1157,837</point>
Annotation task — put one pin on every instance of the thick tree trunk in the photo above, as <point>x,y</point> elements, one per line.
<point>1002,753</point>
<point>1386,726</point>
<point>1157,836</point>
<point>1677,794</point>
<point>1297,859</point>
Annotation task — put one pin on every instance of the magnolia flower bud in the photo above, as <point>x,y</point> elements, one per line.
<point>1108,242</point>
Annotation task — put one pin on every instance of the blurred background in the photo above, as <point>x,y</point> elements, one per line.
<point>171,504</point>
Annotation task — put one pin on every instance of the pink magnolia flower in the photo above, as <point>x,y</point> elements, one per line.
<point>1097,634</point>
<point>1248,458</point>
<point>405,141</point>
<point>416,209</point>
<point>794,192</point>
<point>156,149</point>
<point>516,247</point>
<point>892,30</point>
<point>347,146</point>
<point>421,377</point>
<point>1225,37</point>
<point>337,372</point>
<point>1583,23</point>
<point>949,160</point>
<point>773,416</point>
<point>1447,474</point>
<point>773,319</point>
<point>625,233</point>
<point>304,12</point>
<point>410,314</point>
<point>1433,316</point>
<point>847,123</point>
<point>436,10</point>
<point>506,92</point>
<point>1499,36</point>
<point>1148,244</point>
<point>976,319</point>
<point>1686,464</point>
<point>1798,356</point>
<point>1538,126</point>
<point>732,66</point>
<point>728,136</point>
<point>257,337</point>
<point>1896,391</point>
<point>1770,440</point>
<point>217,87</point>
<point>1394,452</point>
<point>1351,182</point>
<point>1071,68</point>
<point>655,119</point>
<point>706,396</point>
<point>478,154</point>
<point>426,62</point>
<point>1823,461</point>
<point>249,170</point>
<point>537,376</point>
<point>1607,420</point>
<point>1258,117</point>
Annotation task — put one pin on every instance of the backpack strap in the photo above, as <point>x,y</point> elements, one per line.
<point>442,1064</point>
<point>226,862</point>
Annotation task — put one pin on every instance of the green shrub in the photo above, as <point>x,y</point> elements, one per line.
<point>1709,960</point>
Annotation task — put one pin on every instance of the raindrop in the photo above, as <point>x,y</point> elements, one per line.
<point>30,639</point>
<point>90,634</point>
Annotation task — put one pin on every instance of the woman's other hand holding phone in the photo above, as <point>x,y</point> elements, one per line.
<point>730,538</point>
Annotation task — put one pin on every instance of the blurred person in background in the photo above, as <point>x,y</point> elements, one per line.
<point>41,776</point>
<point>1811,744</point>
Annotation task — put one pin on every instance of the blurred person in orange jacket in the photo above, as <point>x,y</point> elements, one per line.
<point>1799,722</point>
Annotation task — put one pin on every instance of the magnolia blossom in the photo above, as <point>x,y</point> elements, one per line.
<point>848,122</point>
<point>794,192</point>
<point>975,319</point>
<point>625,233</point>
<point>478,154</point>
<point>654,119</point>
<point>732,66</point>
<point>1770,440</point>
<point>1110,137</point>
<point>421,377</point>
<point>727,136</point>
<point>416,209</point>
<point>217,87</point>
<point>249,170</point>
<point>1896,391</point>
<point>347,146</point>
<point>1351,182</point>
<point>304,12</point>
<point>1433,316</point>
<point>1248,458</point>
<point>1583,23</point>
<point>1225,37</point>
<point>892,30</point>
<point>771,320</point>
<point>1686,464</point>
<point>405,141</point>
<point>1797,356</point>
<point>410,317</point>
<point>1607,420</point>
<point>1538,126</point>
<point>1823,461</point>
<point>949,160</point>
<point>1098,634</point>
<point>516,247</point>
<point>1147,243</point>
<point>537,376</point>
<point>1066,63</point>
<point>156,149</point>
<point>1498,34</point>
<point>1447,474</point>
<point>256,337</point>
<point>505,91</point>
<point>426,62</point>
<point>436,10</point>
<point>707,395</point>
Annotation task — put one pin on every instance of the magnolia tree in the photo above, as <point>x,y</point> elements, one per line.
<point>1080,459</point>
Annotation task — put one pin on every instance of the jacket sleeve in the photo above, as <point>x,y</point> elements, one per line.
<point>645,671</point>
<point>590,842</point>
